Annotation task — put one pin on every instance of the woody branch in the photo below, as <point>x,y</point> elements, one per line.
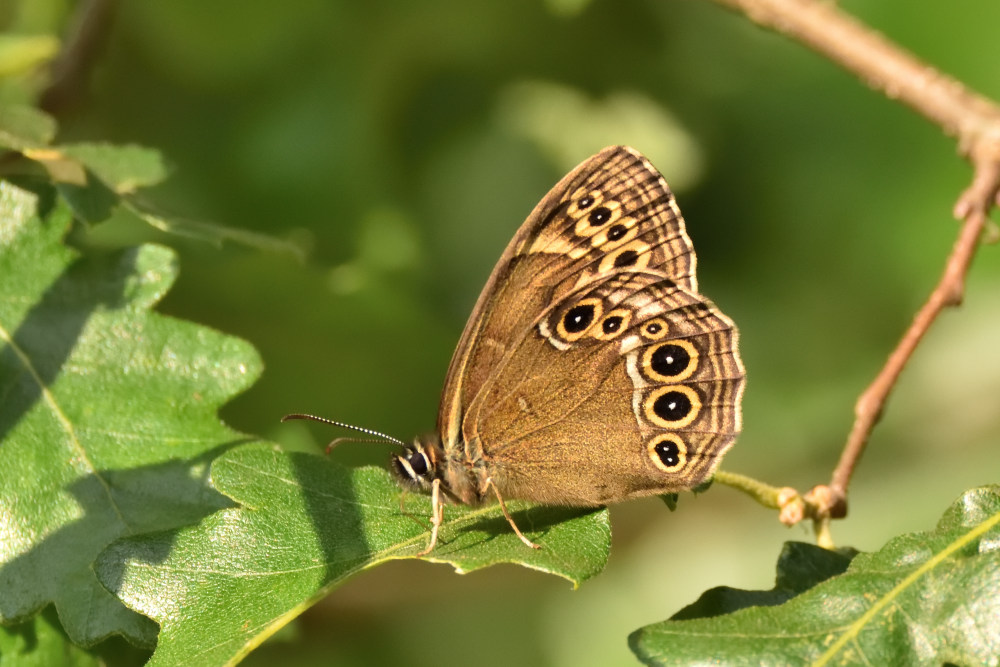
<point>972,119</point>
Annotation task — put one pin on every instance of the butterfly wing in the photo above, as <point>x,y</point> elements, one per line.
<point>613,213</point>
<point>630,386</point>
<point>592,370</point>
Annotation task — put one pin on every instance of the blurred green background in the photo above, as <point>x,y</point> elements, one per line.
<point>403,143</point>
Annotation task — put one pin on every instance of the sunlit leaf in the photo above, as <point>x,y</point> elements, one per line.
<point>123,168</point>
<point>108,420</point>
<point>923,599</point>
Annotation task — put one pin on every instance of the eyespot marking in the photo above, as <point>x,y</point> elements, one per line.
<point>672,406</point>
<point>634,255</point>
<point>674,361</point>
<point>613,324</point>
<point>626,258</point>
<point>578,319</point>
<point>654,329</point>
<point>668,452</point>
<point>599,216</point>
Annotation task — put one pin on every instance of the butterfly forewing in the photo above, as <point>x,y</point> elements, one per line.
<point>547,258</point>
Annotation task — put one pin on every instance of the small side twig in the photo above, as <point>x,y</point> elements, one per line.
<point>972,118</point>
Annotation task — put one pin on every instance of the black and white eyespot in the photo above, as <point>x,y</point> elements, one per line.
<point>668,452</point>
<point>599,216</point>
<point>614,235</point>
<point>583,202</point>
<point>672,406</point>
<point>597,219</point>
<point>617,232</point>
<point>576,320</point>
<point>671,361</point>
<point>654,329</point>
<point>613,324</point>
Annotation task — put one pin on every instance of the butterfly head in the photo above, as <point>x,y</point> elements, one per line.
<point>417,466</point>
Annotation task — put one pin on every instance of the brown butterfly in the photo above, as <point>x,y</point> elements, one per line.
<point>591,370</point>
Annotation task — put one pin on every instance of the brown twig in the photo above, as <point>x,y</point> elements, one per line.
<point>973,119</point>
<point>70,76</point>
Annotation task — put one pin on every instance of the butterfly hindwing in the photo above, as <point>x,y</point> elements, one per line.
<point>628,387</point>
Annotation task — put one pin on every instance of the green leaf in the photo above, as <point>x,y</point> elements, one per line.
<point>214,233</point>
<point>123,169</point>
<point>23,127</point>
<point>108,416</point>
<point>91,201</point>
<point>40,642</point>
<point>304,526</point>
<point>923,599</point>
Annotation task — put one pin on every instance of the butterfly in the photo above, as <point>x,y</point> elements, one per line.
<point>591,370</point>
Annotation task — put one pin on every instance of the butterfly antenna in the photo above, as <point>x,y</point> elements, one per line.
<point>361,429</point>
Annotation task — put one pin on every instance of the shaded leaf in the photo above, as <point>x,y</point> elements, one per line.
<point>304,526</point>
<point>108,420</point>
<point>670,500</point>
<point>923,599</point>
<point>90,200</point>
<point>214,233</point>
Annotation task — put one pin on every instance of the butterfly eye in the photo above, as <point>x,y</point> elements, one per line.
<point>670,362</point>
<point>412,467</point>
<point>668,452</point>
<point>672,406</point>
<point>620,232</point>
<point>418,461</point>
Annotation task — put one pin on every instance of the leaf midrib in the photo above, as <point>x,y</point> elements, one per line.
<point>64,421</point>
<point>854,629</point>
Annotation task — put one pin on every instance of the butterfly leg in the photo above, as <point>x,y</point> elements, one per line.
<point>489,483</point>
<point>437,516</point>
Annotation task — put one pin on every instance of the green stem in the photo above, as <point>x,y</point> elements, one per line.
<point>782,499</point>
<point>763,493</point>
